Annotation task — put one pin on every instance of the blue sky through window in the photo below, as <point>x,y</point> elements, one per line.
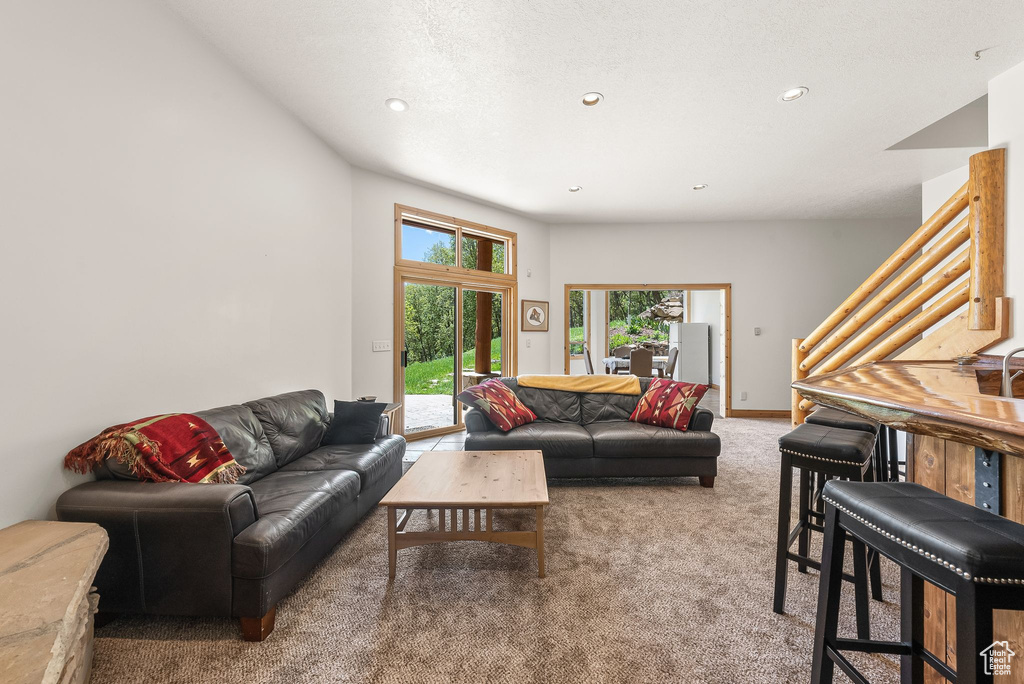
<point>417,241</point>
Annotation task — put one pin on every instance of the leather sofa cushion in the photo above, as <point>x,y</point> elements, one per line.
<point>623,439</point>
<point>556,440</point>
<point>370,461</point>
<point>601,408</point>
<point>292,507</point>
<point>550,406</point>
<point>294,422</point>
<point>244,437</point>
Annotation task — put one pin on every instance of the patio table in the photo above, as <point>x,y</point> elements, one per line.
<point>614,363</point>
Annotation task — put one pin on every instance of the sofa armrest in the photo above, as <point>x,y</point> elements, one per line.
<point>170,542</point>
<point>477,421</point>
<point>702,419</point>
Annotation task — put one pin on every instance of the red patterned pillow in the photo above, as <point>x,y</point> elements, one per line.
<point>667,403</point>
<point>501,404</point>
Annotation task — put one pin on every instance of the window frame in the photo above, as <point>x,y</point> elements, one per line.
<point>587,325</point>
<point>429,219</point>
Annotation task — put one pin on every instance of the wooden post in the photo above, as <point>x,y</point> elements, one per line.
<point>484,261</point>
<point>798,414</point>
<point>987,219</point>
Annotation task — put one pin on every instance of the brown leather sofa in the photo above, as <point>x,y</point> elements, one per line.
<point>236,550</point>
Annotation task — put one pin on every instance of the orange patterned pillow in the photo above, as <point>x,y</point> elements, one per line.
<point>501,404</point>
<point>667,403</point>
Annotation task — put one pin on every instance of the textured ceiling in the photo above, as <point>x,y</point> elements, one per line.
<point>690,91</point>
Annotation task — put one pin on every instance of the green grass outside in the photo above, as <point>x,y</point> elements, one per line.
<point>435,377</point>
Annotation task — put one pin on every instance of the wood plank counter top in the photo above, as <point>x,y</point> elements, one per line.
<point>937,398</point>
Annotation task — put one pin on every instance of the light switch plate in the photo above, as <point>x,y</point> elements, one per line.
<point>757,331</point>
<point>381,345</point>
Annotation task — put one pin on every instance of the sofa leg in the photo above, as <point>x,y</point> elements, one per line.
<point>707,481</point>
<point>258,628</point>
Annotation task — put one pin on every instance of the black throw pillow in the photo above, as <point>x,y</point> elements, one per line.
<point>354,422</point>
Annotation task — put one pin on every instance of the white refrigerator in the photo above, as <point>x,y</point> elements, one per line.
<point>694,343</point>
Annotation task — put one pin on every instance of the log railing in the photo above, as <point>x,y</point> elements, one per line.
<point>927,292</point>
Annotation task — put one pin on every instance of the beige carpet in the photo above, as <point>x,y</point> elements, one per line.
<point>648,581</point>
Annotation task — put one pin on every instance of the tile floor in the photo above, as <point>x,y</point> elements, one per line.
<point>453,442</point>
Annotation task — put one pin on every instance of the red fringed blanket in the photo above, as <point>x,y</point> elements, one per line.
<point>177,447</point>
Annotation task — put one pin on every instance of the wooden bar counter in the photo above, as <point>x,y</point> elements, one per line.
<point>947,410</point>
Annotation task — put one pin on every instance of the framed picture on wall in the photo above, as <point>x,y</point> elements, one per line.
<point>535,316</point>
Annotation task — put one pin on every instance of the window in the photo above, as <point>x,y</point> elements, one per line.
<point>579,322</point>
<point>429,244</point>
<point>425,240</point>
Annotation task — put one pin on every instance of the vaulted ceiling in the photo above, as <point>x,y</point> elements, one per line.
<point>691,96</point>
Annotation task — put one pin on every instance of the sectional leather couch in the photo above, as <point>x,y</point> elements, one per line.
<point>236,550</point>
<point>590,435</point>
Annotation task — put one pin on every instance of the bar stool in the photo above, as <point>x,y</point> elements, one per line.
<point>975,555</point>
<point>885,469</point>
<point>817,450</point>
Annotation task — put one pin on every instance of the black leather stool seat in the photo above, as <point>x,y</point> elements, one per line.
<point>976,544</point>
<point>828,444</point>
<point>831,417</point>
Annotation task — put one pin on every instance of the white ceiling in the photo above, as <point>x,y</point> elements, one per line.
<point>690,91</point>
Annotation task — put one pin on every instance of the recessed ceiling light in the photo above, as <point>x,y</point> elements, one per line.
<point>591,99</point>
<point>396,105</point>
<point>575,188</point>
<point>700,186</point>
<point>794,94</point>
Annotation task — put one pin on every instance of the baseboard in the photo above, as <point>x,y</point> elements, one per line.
<point>714,386</point>
<point>757,413</point>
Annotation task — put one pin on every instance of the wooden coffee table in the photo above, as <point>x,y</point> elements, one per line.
<point>465,488</point>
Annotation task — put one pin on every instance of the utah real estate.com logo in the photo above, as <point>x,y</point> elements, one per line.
<point>997,658</point>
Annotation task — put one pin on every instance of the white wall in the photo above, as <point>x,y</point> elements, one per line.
<point>172,240</point>
<point>1006,129</point>
<point>787,276</point>
<point>373,219</point>
<point>707,308</point>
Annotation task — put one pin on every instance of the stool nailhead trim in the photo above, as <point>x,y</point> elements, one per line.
<point>922,552</point>
<point>822,458</point>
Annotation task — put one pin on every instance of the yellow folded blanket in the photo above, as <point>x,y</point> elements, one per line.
<point>599,384</point>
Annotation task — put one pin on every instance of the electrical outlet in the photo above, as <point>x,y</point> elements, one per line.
<point>528,342</point>
<point>757,331</point>
<point>743,396</point>
<point>381,345</point>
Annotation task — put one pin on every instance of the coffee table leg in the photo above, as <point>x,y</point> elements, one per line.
<point>392,531</point>
<point>540,541</point>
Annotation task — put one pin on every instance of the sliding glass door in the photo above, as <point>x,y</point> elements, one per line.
<point>452,335</point>
<point>428,357</point>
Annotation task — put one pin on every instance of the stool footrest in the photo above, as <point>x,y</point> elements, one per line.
<point>871,646</point>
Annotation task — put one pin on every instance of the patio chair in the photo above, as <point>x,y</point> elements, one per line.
<point>587,361</point>
<point>641,363</point>
<point>670,365</point>
<point>621,352</point>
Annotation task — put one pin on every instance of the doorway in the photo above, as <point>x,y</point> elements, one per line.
<point>694,318</point>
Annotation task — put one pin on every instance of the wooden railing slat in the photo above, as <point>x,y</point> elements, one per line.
<point>956,237</point>
<point>928,289</point>
<point>950,302</point>
<point>922,236</point>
